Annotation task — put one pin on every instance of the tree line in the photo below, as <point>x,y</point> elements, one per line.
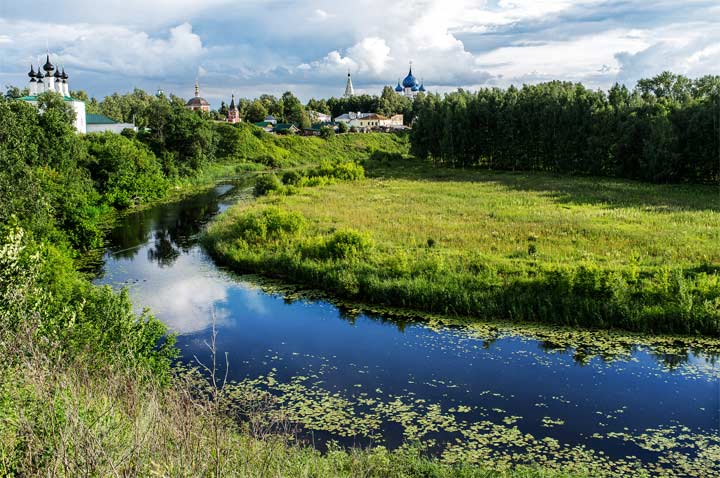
<point>667,129</point>
<point>133,106</point>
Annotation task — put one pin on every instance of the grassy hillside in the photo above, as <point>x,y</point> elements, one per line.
<point>577,251</point>
<point>250,143</point>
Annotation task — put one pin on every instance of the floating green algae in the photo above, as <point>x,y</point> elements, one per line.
<point>496,440</point>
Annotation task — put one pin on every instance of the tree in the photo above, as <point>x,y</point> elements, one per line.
<point>327,132</point>
<point>14,92</point>
<point>256,112</point>
<point>223,109</point>
<point>293,111</point>
<point>342,127</point>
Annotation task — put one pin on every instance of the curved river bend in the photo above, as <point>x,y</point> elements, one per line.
<point>490,395</point>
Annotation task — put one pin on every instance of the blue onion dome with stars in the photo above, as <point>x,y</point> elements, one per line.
<point>398,88</point>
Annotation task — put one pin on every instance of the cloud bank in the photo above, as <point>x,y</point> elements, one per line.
<point>251,48</point>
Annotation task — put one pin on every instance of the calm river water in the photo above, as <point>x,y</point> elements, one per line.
<point>488,394</point>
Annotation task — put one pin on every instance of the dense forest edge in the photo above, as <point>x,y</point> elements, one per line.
<point>666,130</point>
<point>87,387</point>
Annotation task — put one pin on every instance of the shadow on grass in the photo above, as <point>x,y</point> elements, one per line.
<point>571,190</point>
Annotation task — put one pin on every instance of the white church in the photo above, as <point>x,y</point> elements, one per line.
<point>56,81</point>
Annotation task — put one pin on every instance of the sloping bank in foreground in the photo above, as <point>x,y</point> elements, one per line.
<point>475,245</point>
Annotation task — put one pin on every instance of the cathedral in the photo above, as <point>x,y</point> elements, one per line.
<point>233,115</point>
<point>55,81</point>
<point>410,87</point>
<point>198,103</point>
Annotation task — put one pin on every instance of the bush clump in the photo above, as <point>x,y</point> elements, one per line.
<point>267,225</point>
<point>385,156</point>
<point>292,178</point>
<point>345,171</point>
<point>347,244</point>
<point>266,183</point>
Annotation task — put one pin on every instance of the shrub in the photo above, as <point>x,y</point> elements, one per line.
<point>347,171</point>
<point>124,170</point>
<point>292,178</point>
<point>267,225</point>
<point>346,244</point>
<point>327,132</point>
<point>266,183</point>
<point>384,156</point>
<point>268,160</point>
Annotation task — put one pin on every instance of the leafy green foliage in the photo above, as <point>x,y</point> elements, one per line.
<point>327,132</point>
<point>41,290</point>
<point>266,183</point>
<point>125,171</point>
<point>667,130</point>
<point>346,244</point>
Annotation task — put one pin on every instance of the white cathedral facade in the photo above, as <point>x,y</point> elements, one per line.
<point>55,81</point>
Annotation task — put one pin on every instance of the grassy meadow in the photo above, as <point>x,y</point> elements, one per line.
<point>477,244</point>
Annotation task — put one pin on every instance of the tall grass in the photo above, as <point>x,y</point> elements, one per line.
<point>571,251</point>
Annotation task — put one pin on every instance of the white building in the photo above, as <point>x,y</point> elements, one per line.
<point>57,82</point>
<point>317,117</point>
<point>101,124</point>
<point>349,90</point>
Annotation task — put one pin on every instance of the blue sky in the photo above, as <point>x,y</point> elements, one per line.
<point>250,47</point>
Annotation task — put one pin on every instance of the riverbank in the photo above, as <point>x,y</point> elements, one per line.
<point>368,380</point>
<point>474,244</point>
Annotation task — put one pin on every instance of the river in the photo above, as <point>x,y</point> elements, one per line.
<point>495,394</point>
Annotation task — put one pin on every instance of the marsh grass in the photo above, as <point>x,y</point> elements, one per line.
<point>565,250</point>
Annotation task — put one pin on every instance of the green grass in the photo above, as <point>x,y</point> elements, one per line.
<point>253,144</point>
<point>476,244</point>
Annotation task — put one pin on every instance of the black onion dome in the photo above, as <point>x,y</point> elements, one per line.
<point>31,74</point>
<point>39,75</point>
<point>232,103</point>
<point>58,75</point>
<point>64,75</point>
<point>48,66</point>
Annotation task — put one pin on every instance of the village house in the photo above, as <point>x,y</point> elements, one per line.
<point>317,117</point>
<point>369,121</point>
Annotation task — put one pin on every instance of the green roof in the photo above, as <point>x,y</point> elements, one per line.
<point>35,98</point>
<point>98,119</point>
<point>263,124</point>
<point>283,126</point>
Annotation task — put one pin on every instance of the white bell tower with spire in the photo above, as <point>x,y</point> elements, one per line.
<point>349,90</point>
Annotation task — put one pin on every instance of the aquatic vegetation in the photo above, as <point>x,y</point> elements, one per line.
<point>498,443</point>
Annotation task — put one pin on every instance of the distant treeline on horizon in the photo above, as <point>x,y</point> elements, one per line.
<point>666,129</point>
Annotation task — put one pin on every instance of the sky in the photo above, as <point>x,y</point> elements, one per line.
<point>253,47</point>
